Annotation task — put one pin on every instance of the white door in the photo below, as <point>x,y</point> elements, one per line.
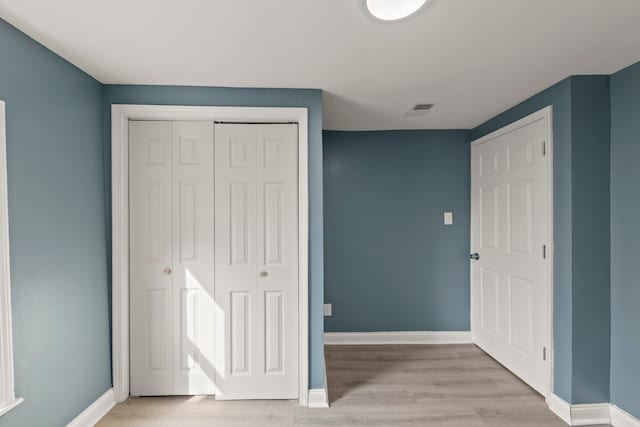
<point>510,289</point>
<point>171,258</point>
<point>256,253</point>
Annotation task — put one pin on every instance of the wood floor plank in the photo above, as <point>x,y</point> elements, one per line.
<point>389,385</point>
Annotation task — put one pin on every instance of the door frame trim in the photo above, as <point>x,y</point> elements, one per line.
<point>8,398</point>
<point>120,116</point>
<point>544,113</point>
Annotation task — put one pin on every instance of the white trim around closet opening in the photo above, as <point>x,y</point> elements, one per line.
<point>8,399</point>
<point>120,116</point>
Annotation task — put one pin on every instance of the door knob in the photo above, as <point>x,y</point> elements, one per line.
<point>167,271</point>
<point>475,256</point>
<point>263,274</point>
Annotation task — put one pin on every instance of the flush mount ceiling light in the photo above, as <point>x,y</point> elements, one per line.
<point>394,10</point>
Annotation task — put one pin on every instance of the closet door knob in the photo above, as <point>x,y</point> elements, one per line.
<point>263,274</point>
<point>167,271</point>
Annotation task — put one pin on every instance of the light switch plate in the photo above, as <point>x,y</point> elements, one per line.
<point>327,310</point>
<point>448,218</point>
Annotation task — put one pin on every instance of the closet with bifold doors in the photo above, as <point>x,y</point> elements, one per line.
<point>213,230</point>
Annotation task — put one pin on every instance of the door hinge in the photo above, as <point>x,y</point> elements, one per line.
<point>544,353</point>
<point>544,148</point>
<point>544,251</point>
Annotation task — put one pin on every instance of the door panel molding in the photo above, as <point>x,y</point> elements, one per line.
<point>517,157</point>
<point>262,335</point>
<point>120,117</point>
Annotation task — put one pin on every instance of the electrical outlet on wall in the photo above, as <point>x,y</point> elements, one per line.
<point>327,310</point>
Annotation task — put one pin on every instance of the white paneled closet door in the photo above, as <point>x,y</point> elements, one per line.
<point>256,253</point>
<point>171,258</point>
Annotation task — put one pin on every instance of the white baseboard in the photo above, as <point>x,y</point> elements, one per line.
<point>6,408</point>
<point>379,338</point>
<point>591,414</point>
<point>318,398</point>
<point>620,418</point>
<point>94,413</point>
<point>560,407</point>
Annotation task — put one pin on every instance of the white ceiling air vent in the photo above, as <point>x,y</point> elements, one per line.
<point>418,110</point>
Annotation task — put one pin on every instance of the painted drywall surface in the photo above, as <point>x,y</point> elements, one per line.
<point>56,222</point>
<point>559,97</point>
<point>591,238</point>
<point>390,262</point>
<point>625,239</point>
<point>308,98</point>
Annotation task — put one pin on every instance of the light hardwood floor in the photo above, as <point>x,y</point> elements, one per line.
<point>392,385</point>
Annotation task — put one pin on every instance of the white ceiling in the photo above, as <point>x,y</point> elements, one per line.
<point>473,58</point>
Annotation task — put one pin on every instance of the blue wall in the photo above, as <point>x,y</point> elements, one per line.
<point>581,235</point>
<point>390,263</point>
<point>625,239</point>
<point>56,221</point>
<point>590,120</point>
<point>309,98</point>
